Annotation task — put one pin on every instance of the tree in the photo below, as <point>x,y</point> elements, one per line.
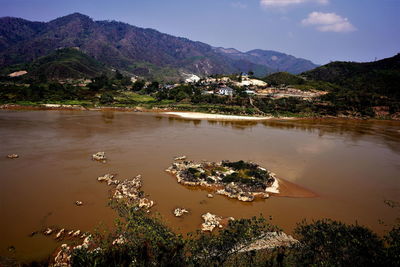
<point>153,87</point>
<point>332,243</point>
<point>118,75</point>
<point>147,242</point>
<point>126,81</point>
<point>99,83</point>
<point>138,85</point>
<point>106,98</point>
<point>393,246</point>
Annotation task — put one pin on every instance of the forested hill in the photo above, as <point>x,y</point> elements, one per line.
<point>61,64</point>
<point>144,52</point>
<point>380,77</point>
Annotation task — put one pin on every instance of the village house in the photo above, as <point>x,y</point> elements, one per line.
<point>251,82</point>
<point>250,92</point>
<point>192,78</point>
<point>225,91</point>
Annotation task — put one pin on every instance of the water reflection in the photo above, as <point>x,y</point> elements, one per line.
<point>384,132</point>
<point>108,116</point>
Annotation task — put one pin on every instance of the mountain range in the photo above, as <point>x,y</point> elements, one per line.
<point>139,51</point>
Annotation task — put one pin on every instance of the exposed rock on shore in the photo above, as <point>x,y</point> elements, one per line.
<point>241,180</point>
<point>63,256</point>
<point>121,240</point>
<point>271,240</point>
<point>128,191</point>
<point>212,221</point>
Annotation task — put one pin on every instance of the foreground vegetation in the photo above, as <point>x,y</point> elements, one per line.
<point>148,242</point>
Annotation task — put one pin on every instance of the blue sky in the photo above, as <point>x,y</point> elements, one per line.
<point>319,30</point>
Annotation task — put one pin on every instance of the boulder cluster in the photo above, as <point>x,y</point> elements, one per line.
<point>179,212</point>
<point>271,240</point>
<point>63,256</point>
<point>128,191</point>
<point>100,156</point>
<point>212,221</point>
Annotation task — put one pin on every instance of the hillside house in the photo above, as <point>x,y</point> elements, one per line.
<point>225,91</point>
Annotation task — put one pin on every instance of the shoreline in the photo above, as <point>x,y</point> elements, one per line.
<point>293,190</point>
<point>190,115</point>
<point>209,116</point>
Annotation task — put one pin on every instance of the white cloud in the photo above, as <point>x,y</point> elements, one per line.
<point>328,22</point>
<point>283,3</point>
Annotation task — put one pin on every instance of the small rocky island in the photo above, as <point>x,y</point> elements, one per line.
<point>241,180</point>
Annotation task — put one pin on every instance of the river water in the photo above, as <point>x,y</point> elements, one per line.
<point>353,166</point>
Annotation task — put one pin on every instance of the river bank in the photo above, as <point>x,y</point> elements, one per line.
<point>185,114</point>
<point>202,116</point>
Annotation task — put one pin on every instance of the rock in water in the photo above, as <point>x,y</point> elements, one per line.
<point>60,233</point>
<point>211,221</point>
<point>180,158</point>
<point>109,178</point>
<point>48,231</point>
<point>12,156</point>
<point>99,156</point>
<point>76,233</point>
<point>178,212</point>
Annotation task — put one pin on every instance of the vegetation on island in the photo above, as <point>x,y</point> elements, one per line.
<point>248,173</point>
<point>241,180</point>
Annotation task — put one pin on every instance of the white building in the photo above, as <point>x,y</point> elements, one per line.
<point>252,82</point>
<point>250,92</point>
<point>225,91</point>
<point>192,78</point>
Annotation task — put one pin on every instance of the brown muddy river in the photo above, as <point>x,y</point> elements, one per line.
<point>353,166</point>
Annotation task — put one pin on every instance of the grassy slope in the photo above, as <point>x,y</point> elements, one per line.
<point>61,64</point>
<point>67,63</point>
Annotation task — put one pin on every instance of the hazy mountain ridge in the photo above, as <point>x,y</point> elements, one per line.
<point>275,61</point>
<point>122,46</point>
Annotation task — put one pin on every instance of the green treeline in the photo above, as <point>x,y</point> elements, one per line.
<point>352,89</point>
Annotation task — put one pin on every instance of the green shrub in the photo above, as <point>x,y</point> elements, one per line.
<point>332,243</point>
<point>106,98</point>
